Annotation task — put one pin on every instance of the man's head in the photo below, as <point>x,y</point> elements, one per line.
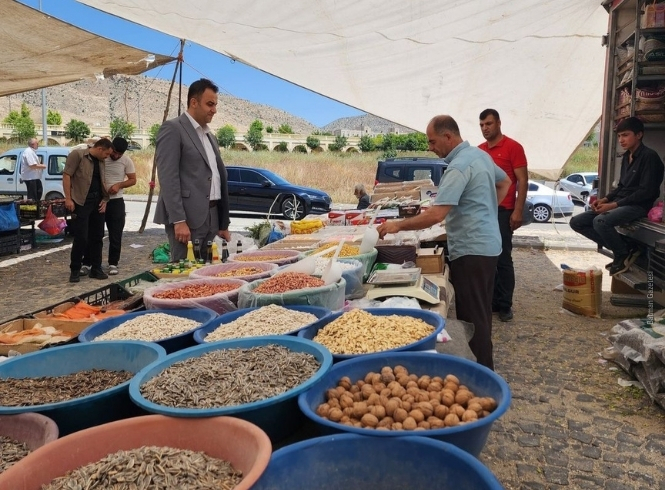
<point>33,143</point>
<point>202,101</point>
<point>490,125</point>
<point>443,135</point>
<point>630,132</point>
<point>359,191</point>
<point>102,149</point>
<point>119,147</point>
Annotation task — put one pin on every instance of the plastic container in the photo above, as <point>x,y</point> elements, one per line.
<point>213,270</point>
<point>277,416</point>
<point>289,256</point>
<point>482,381</point>
<point>170,344</point>
<point>201,333</point>
<point>354,461</point>
<point>330,296</point>
<point>242,444</point>
<point>220,302</point>
<point>32,429</point>
<point>87,411</point>
<point>426,343</point>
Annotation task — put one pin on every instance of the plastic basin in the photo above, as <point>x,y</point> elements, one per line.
<point>201,333</point>
<point>87,411</point>
<point>32,429</point>
<point>470,437</point>
<point>354,461</point>
<point>427,343</point>
<point>242,444</point>
<point>170,344</point>
<point>278,416</point>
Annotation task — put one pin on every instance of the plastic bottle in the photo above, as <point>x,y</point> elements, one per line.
<point>197,250</point>
<point>190,254</point>
<point>239,247</point>
<point>225,251</point>
<point>215,253</point>
<point>209,254</point>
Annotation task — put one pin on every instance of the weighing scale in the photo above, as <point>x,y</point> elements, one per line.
<point>403,282</point>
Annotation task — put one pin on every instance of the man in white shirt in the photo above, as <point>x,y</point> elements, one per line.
<point>31,170</point>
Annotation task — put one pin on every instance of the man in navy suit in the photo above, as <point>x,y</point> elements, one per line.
<point>193,198</point>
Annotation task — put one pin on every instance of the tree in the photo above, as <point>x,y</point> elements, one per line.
<point>226,136</point>
<point>122,128</point>
<point>24,126</point>
<point>269,130</point>
<point>366,143</point>
<point>340,142</point>
<point>285,129</point>
<point>77,130</point>
<point>411,142</point>
<point>299,149</point>
<point>153,131</point>
<point>313,142</point>
<point>53,118</point>
<point>254,137</point>
<point>283,147</point>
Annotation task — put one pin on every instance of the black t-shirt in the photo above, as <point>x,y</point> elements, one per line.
<point>95,191</point>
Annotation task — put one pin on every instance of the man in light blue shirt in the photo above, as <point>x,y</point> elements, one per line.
<point>467,198</point>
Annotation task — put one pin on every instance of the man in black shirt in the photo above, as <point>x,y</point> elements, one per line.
<point>639,187</point>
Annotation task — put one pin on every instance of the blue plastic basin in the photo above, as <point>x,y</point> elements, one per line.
<point>171,344</point>
<point>277,416</point>
<point>370,463</point>
<point>481,381</point>
<point>427,343</point>
<point>202,332</point>
<point>87,411</point>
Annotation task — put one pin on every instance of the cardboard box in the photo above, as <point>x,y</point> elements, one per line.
<point>428,193</point>
<point>430,260</point>
<point>377,196</point>
<point>20,324</point>
<point>409,210</point>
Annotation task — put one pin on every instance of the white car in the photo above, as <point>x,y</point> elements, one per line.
<point>578,184</point>
<point>547,202</point>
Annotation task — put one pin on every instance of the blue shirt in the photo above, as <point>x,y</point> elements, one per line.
<point>469,186</point>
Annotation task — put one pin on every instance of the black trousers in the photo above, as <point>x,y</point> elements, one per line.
<point>115,224</point>
<point>35,189</point>
<point>88,235</point>
<point>504,280</point>
<point>472,276</point>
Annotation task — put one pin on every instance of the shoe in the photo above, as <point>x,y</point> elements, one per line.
<point>74,277</point>
<point>609,265</point>
<point>506,315</point>
<point>632,257</point>
<point>85,270</point>
<point>97,274</point>
<point>113,270</point>
<point>619,265</point>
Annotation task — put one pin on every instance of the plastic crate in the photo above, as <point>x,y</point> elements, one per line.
<point>9,242</point>
<point>57,207</point>
<point>134,280</point>
<point>105,295</point>
<point>27,238</point>
<point>28,214</point>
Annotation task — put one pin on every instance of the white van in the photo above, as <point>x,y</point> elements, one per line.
<point>54,157</point>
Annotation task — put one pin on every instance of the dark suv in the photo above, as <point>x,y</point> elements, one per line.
<point>410,168</point>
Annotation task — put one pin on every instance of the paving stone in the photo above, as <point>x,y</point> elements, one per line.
<point>629,439</point>
<point>607,441</point>
<point>581,436</point>
<point>531,428</point>
<point>611,457</point>
<point>525,471</point>
<point>561,414</point>
<point>617,485</point>
<point>556,433</point>
<point>554,474</point>
<point>639,475</point>
<point>532,485</point>
<point>575,425</point>
<point>528,441</point>
<point>592,479</point>
<point>580,464</point>
<point>544,399</point>
<point>615,424</point>
<point>552,390</point>
<point>572,387</point>
<point>591,452</point>
<point>611,470</point>
<point>582,397</point>
<point>556,458</point>
<point>630,430</point>
<point>656,446</point>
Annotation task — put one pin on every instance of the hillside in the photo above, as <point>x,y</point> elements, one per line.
<point>376,124</point>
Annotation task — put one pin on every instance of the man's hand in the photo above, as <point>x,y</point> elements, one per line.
<point>114,189</point>
<point>182,233</point>
<point>598,203</point>
<point>390,226</point>
<point>516,219</point>
<point>605,207</point>
<point>102,207</point>
<point>69,204</point>
<point>225,234</point>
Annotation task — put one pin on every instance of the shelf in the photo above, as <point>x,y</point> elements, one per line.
<point>651,78</point>
<point>653,31</point>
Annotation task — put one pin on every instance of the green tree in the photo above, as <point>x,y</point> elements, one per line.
<point>283,147</point>
<point>366,144</point>
<point>411,142</point>
<point>299,149</point>
<point>226,136</point>
<point>313,142</point>
<point>269,130</point>
<point>256,125</point>
<point>122,128</point>
<point>254,137</point>
<point>340,142</point>
<point>24,126</point>
<point>285,129</point>
<point>153,131</point>
<point>53,118</point>
<point>77,130</point>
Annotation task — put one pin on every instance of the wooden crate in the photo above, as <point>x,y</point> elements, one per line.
<point>430,260</point>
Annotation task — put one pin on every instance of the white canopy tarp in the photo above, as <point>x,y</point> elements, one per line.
<point>538,62</point>
<point>40,51</point>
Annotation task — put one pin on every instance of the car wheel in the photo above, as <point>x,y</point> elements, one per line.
<point>542,213</point>
<point>53,195</point>
<point>293,208</point>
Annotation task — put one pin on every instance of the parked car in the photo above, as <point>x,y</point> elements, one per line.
<point>578,184</point>
<point>53,157</point>
<point>410,168</point>
<point>547,202</point>
<point>593,197</point>
<point>256,189</point>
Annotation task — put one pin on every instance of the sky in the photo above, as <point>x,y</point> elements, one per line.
<point>232,78</point>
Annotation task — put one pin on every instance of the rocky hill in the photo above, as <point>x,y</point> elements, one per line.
<point>376,124</point>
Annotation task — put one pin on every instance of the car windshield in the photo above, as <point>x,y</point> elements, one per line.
<point>590,178</point>
<point>274,178</point>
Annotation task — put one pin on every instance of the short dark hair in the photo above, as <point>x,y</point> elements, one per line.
<point>120,144</point>
<point>441,124</point>
<point>103,143</point>
<point>630,124</point>
<point>489,112</point>
<point>197,88</point>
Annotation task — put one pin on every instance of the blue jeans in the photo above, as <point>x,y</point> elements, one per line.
<point>601,227</point>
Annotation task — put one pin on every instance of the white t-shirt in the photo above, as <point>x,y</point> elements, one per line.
<point>28,159</point>
<point>116,171</point>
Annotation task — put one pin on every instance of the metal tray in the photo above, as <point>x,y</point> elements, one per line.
<point>395,276</point>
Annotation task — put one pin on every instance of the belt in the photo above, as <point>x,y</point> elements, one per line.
<point>212,204</point>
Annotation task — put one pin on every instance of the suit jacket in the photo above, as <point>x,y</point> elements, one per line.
<point>184,176</point>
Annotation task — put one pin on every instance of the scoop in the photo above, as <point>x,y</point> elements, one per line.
<point>333,272</point>
<point>371,236</point>
<point>306,265</point>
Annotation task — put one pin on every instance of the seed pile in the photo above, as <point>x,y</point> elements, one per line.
<point>241,272</point>
<point>267,320</point>
<point>24,392</point>
<point>11,452</point>
<point>346,251</point>
<point>230,377</point>
<point>150,327</point>
<point>360,332</point>
<point>154,468</point>
<point>261,258</point>
<point>195,291</point>
<point>322,263</point>
<point>288,281</point>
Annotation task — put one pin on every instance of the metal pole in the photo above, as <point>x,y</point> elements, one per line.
<point>44,131</point>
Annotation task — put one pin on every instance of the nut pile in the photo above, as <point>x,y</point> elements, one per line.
<point>195,291</point>
<point>11,452</point>
<point>360,332</point>
<point>267,320</point>
<point>24,392</point>
<point>288,281</point>
<point>396,400</point>
<point>261,257</point>
<point>346,251</point>
<point>241,272</point>
<point>230,377</point>
<point>156,468</point>
<point>150,328</point>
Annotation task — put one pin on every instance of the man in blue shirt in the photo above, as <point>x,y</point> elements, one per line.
<point>467,198</point>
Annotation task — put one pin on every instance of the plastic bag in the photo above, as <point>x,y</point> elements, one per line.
<point>220,302</point>
<point>330,296</point>
<point>213,270</point>
<point>8,217</point>
<point>52,224</point>
<point>656,213</point>
<point>161,254</point>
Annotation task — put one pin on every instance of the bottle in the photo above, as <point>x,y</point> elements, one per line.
<point>197,250</point>
<point>190,254</point>
<point>209,258</point>
<point>239,247</point>
<point>215,254</point>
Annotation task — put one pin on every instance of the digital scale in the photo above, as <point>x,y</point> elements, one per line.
<point>403,282</point>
